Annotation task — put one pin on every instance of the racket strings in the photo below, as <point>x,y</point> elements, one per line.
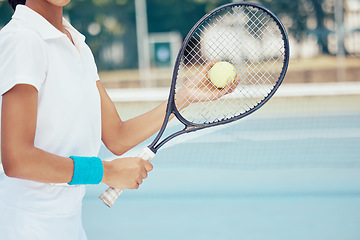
<point>251,40</point>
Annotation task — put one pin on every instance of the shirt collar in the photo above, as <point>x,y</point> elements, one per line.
<point>42,26</point>
<point>77,37</point>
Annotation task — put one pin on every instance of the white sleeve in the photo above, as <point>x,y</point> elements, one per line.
<point>23,60</point>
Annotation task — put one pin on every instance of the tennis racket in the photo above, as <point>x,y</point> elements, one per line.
<point>246,35</point>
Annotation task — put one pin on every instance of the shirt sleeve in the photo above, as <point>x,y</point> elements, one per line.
<point>23,60</point>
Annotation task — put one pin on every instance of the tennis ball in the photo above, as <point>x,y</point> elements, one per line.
<point>221,73</point>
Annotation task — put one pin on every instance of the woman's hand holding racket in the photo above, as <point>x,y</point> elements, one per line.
<point>126,173</point>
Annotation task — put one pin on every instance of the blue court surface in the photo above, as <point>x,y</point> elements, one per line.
<point>289,172</point>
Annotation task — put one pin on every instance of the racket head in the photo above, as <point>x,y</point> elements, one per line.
<point>248,36</point>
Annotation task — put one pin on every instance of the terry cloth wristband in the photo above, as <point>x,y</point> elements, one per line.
<point>87,170</point>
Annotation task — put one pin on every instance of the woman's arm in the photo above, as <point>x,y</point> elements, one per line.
<point>19,156</point>
<point>120,136</point>
<point>21,159</point>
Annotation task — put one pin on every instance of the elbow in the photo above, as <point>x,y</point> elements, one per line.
<point>10,170</point>
<point>12,166</point>
<point>118,151</point>
<point>17,159</point>
<point>116,148</point>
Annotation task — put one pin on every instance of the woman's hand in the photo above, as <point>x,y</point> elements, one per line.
<point>126,173</point>
<point>199,88</point>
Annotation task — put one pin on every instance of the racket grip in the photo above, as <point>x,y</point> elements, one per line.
<point>111,194</point>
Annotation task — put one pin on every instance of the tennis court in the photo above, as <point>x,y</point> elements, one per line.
<point>289,171</point>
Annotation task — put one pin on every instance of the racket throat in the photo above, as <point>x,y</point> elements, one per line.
<point>191,128</point>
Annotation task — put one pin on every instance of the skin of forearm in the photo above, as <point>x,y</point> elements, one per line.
<point>128,134</point>
<point>136,130</point>
<point>31,163</point>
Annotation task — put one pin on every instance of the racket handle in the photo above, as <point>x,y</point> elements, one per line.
<point>111,194</point>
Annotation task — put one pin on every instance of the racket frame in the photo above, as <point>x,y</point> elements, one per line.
<point>171,106</point>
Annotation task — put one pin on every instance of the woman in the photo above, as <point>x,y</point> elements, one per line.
<point>54,115</point>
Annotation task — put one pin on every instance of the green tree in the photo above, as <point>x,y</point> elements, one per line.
<point>5,13</point>
<point>178,15</point>
<point>115,20</point>
<point>305,17</point>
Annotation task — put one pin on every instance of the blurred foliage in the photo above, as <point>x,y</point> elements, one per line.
<point>107,22</point>
<point>114,22</point>
<point>5,12</point>
<point>178,15</point>
<point>304,17</point>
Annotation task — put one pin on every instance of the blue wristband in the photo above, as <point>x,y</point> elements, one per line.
<point>87,170</point>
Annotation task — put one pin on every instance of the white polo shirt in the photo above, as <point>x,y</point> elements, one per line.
<point>68,122</point>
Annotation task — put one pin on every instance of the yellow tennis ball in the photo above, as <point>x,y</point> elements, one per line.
<point>221,73</point>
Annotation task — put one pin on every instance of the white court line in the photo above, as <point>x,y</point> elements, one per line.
<point>286,90</point>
